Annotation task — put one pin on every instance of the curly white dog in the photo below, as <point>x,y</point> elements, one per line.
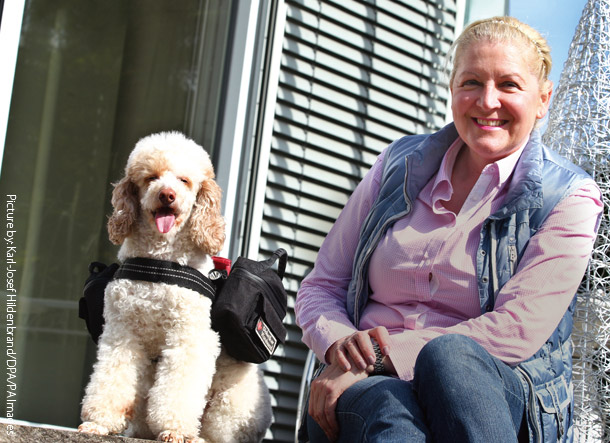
<point>160,370</point>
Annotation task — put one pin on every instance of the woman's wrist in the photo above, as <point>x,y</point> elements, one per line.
<point>330,352</point>
<point>389,366</point>
<point>383,363</point>
<point>378,366</point>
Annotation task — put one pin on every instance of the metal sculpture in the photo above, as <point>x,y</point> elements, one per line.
<point>579,128</point>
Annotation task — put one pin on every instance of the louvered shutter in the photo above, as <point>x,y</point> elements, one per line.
<point>354,76</point>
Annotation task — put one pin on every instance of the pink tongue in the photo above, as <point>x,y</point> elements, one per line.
<point>165,221</point>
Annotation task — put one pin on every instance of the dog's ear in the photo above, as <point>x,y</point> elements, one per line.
<point>126,210</point>
<point>207,223</point>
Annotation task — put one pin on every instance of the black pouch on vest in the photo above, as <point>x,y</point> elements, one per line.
<point>91,304</point>
<point>249,311</point>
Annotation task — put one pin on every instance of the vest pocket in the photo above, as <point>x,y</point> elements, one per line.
<point>554,399</point>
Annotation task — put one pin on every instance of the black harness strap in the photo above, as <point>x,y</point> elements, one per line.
<point>162,271</point>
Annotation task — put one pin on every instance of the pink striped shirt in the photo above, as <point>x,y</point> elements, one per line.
<point>422,274</point>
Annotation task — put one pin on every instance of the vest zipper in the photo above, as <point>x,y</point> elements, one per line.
<point>493,259</point>
<point>358,293</point>
<point>512,257</point>
<point>531,405</point>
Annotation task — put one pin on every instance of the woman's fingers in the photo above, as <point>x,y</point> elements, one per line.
<point>382,337</point>
<point>332,427</point>
<point>322,405</point>
<point>336,355</point>
<point>325,393</point>
<point>342,360</point>
<point>360,348</point>
<point>356,348</point>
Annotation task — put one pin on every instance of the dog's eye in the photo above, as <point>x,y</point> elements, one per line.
<point>184,180</point>
<point>152,178</point>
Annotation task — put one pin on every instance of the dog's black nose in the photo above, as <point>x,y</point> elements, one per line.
<point>167,196</point>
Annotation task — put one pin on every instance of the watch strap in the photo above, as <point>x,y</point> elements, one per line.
<point>378,367</point>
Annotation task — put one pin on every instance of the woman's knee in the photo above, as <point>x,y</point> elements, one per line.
<point>375,409</point>
<point>441,356</point>
<point>449,347</point>
<point>384,409</point>
<point>377,390</point>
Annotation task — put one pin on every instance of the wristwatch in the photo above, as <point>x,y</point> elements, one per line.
<point>378,367</point>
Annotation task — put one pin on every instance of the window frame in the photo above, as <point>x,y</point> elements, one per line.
<point>11,19</point>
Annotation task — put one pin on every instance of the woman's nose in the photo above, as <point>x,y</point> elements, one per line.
<point>489,98</point>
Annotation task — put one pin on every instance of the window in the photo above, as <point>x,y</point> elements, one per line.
<point>91,79</point>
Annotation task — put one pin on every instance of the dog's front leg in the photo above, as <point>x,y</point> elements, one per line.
<point>138,426</point>
<point>184,375</point>
<point>110,395</point>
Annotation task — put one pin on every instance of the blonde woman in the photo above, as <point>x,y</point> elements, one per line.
<point>441,300</point>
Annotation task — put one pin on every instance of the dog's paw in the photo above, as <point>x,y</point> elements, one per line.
<point>170,436</point>
<point>175,437</point>
<point>90,427</point>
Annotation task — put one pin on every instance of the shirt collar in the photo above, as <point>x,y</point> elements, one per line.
<point>506,165</point>
<point>442,188</point>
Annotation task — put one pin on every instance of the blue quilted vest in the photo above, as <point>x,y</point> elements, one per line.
<point>540,180</point>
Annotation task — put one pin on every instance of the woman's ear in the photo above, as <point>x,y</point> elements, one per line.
<point>126,210</point>
<point>207,223</point>
<point>545,99</point>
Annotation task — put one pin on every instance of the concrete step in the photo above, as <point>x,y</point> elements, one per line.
<point>10,433</point>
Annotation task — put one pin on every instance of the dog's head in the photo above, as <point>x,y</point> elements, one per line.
<point>168,185</point>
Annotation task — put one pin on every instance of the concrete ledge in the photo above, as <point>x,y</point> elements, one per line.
<point>31,434</point>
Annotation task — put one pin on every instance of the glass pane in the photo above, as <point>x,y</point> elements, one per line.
<point>92,78</point>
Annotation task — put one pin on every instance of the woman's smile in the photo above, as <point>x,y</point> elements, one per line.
<point>489,124</point>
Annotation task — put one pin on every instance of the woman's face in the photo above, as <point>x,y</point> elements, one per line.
<point>496,99</point>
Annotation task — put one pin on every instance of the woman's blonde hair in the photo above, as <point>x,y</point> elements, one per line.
<point>505,29</point>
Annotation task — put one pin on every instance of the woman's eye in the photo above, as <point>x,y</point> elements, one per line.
<point>470,83</point>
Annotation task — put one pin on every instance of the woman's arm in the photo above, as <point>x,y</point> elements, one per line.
<point>320,306</point>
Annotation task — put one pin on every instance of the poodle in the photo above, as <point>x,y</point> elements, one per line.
<point>161,371</point>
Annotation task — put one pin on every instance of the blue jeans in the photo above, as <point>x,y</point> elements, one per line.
<point>460,393</point>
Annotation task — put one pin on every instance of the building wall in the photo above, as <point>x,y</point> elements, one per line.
<point>353,76</point>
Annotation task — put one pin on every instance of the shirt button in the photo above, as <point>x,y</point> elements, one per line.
<point>488,308</point>
<point>485,279</point>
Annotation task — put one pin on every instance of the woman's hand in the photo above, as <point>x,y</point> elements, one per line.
<point>359,347</point>
<point>350,360</point>
<point>324,393</point>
